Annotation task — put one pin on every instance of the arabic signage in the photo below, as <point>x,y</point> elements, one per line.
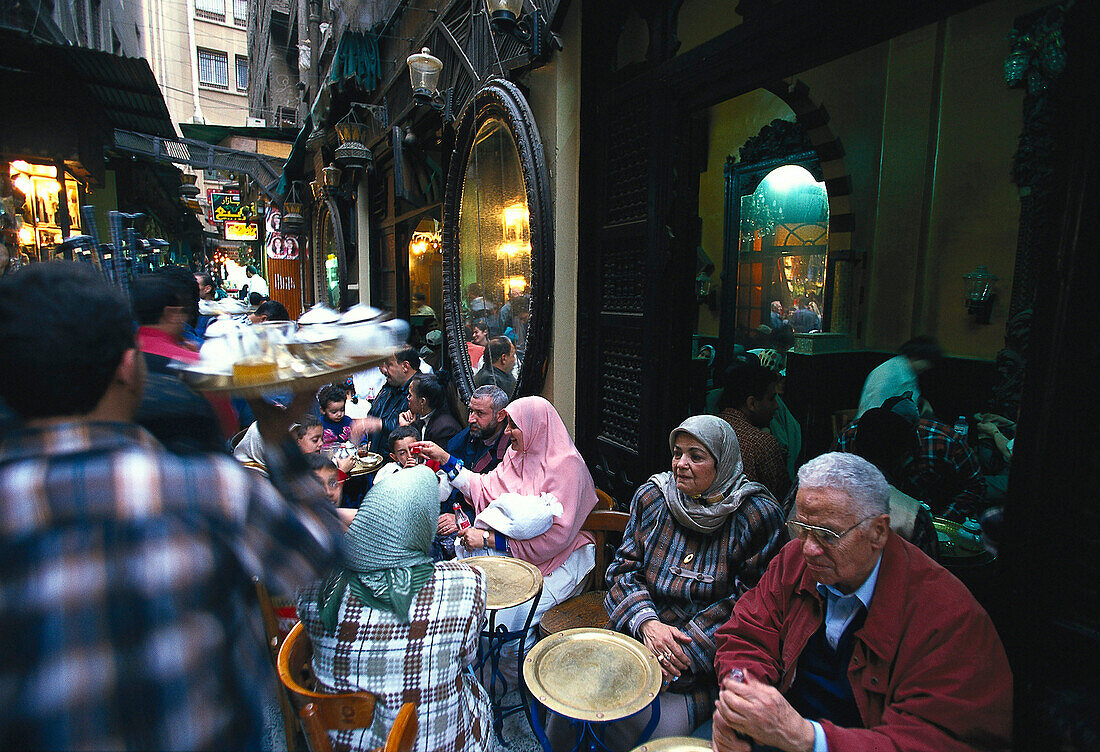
<point>241,231</point>
<point>227,207</point>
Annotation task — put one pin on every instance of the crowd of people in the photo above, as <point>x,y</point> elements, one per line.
<point>788,610</point>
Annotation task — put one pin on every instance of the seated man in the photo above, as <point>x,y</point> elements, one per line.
<point>855,640</point>
<point>143,640</point>
<point>481,447</point>
<point>269,310</point>
<point>943,472</point>
<point>499,359</point>
<point>748,403</point>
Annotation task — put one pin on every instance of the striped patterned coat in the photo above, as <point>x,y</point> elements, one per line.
<point>423,661</point>
<point>689,580</point>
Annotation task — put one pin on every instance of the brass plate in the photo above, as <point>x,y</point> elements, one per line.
<point>258,467</point>
<point>311,378</point>
<point>366,465</point>
<point>592,674</point>
<point>947,535</point>
<point>675,744</point>
<point>510,581</point>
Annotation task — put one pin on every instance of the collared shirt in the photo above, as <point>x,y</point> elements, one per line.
<point>126,608</point>
<point>840,609</point>
<point>944,472</point>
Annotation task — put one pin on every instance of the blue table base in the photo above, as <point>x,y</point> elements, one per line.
<point>496,637</point>
<point>590,730</point>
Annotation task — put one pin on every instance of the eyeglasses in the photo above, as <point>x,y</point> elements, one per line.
<point>824,536</point>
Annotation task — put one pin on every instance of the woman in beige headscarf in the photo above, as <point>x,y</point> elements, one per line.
<point>698,537</point>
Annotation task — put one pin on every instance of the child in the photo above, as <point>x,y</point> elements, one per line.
<point>307,432</point>
<point>401,455</point>
<point>326,472</point>
<point>336,426</point>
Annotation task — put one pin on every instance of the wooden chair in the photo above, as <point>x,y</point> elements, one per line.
<point>274,643</point>
<point>321,713</point>
<point>587,609</point>
<point>604,502</point>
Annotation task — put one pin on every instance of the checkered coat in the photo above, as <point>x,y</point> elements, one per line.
<point>423,661</point>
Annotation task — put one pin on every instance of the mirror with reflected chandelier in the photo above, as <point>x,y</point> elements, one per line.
<point>492,250</point>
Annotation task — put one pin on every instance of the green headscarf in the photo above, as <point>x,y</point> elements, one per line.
<point>387,558</point>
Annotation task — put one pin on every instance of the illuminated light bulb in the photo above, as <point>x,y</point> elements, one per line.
<point>23,183</point>
<point>26,236</point>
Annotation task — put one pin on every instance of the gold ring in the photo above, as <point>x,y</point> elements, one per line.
<point>660,657</point>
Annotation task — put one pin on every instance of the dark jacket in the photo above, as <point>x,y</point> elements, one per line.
<point>441,427</point>
<point>493,376</point>
<point>388,406</point>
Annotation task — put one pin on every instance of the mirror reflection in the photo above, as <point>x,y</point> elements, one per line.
<point>784,237</point>
<point>494,251</point>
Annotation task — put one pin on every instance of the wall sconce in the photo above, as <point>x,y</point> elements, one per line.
<point>532,31</point>
<point>424,70</point>
<point>979,293</point>
<point>330,177</point>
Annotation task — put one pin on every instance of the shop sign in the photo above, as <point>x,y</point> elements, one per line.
<point>227,207</point>
<point>241,231</point>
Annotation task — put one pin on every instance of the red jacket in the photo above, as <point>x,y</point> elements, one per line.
<point>928,670</point>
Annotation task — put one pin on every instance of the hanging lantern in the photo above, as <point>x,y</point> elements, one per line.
<point>330,177</point>
<point>293,221</point>
<point>352,151</point>
<point>187,188</point>
<point>504,13</point>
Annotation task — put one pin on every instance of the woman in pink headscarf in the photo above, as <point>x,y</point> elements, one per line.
<point>541,459</point>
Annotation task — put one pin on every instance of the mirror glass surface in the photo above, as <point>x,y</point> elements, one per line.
<point>784,236</point>
<point>494,256</point>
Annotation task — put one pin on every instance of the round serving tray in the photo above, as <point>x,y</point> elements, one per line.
<point>592,674</point>
<point>366,465</point>
<point>675,744</point>
<point>510,581</point>
<point>313,377</point>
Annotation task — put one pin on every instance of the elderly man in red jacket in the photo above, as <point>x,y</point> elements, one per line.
<point>855,640</point>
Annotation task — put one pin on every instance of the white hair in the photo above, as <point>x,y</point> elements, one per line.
<point>863,482</point>
<point>496,395</point>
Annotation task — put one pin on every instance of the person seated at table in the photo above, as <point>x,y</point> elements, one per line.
<point>499,361</point>
<point>325,471</point>
<point>427,411</point>
<point>698,537</point>
<point>306,432</point>
<point>541,459</point>
<point>401,454</point>
<point>269,310</point>
<point>390,623</point>
<point>336,426</point>
<point>749,402</point>
<point>855,640</point>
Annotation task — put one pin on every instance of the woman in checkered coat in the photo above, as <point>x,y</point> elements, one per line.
<point>698,537</point>
<point>393,624</point>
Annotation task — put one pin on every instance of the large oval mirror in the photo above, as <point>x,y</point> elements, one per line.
<point>497,247</point>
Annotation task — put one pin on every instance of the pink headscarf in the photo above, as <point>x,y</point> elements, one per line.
<point>549,463</point>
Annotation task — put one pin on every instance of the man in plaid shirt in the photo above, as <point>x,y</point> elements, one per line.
<point>943,472</point>
<point>127,617</point>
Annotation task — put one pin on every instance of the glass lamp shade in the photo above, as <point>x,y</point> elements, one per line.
<point>979,285</point>
<point>331,176</point>
<point>351,131</point>
<point>424,69</point>
<point>507,11</point>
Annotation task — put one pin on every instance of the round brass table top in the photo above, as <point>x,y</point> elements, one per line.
<point>592,674</point>
<point>675,744</point>
<point>510,581</point>
<point>951,547</point>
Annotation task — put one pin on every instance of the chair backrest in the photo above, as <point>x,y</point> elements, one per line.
<point>402,736</point>
<point>603,501</point>
<point>604,525</point>
<point>320,712</point>
<point>841,419</point>
<point>274,643</point>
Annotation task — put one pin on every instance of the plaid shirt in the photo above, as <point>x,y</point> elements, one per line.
<point>944,473</point>
<point>764,458</point>
<point>424,661</point>
<point>127,613</point>
<point>690,581</point>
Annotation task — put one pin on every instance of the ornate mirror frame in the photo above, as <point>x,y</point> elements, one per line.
<point>503,100</point>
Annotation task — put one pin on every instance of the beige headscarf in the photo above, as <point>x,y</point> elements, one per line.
<point>707,512</point>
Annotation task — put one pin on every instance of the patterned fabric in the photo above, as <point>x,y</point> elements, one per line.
<point>127,615</point>
<point>423,661</point>
<point>944,473</point>
<point>764,458</point>
<point>334,433</point>
<point>690,581</point>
